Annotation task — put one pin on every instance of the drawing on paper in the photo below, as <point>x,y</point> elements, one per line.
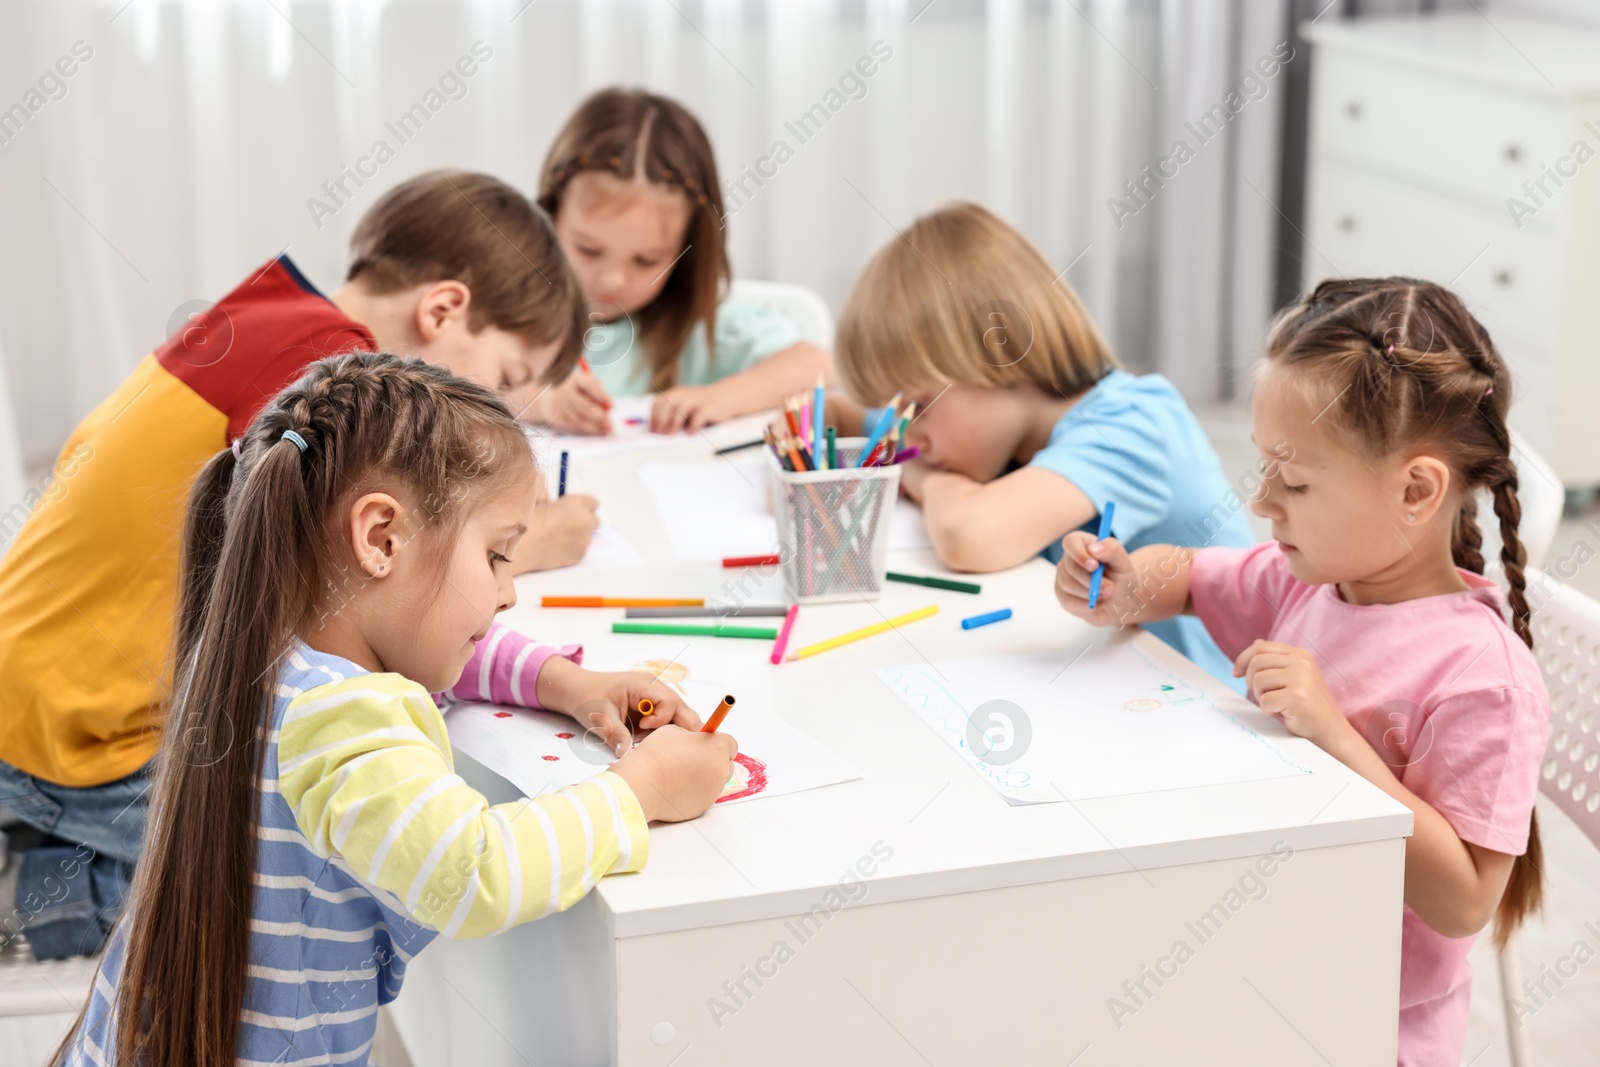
<point>668,671</point>
<point>1141,704</point>
<point>749,778</point>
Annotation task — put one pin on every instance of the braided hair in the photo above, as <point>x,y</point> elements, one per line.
<point>261,551</point>
<point>1406,363</point>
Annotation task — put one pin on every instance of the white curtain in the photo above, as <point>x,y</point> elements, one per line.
<point>188,148</point>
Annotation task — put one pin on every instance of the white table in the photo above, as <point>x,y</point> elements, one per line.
<point>991,933</point>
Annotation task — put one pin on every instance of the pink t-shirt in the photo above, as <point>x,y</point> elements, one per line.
<point>1446,692</point>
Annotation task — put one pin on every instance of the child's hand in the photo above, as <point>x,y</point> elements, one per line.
<point>579,405</point>
<point>607,703</point>
<point>1287,684</point>
<point>691,407</point>
<point>1081,553</point>
<point>558,534</point>
<point>676,773</point>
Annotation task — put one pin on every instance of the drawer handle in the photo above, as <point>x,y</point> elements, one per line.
<point>1347,223</point>
<point>1353,109</point>
<point>1513,153</point>
<point>1503,278</point>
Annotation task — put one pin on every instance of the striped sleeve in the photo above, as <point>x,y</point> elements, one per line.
<point>505,666</point>
<point>365,764</point>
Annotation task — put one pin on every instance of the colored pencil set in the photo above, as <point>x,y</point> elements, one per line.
<point>810,446</point>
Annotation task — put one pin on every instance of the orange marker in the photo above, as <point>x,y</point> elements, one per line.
<point>647,706</point>
<point>621,602</point>
<point>717,716</point>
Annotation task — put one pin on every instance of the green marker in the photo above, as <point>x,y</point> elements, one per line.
<point>754,632</point>
<point>833,449</point>
<point>936,583</point>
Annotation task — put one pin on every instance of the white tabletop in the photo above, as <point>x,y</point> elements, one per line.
<point>949,831</point>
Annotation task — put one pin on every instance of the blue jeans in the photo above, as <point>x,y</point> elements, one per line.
<point>71,888</point>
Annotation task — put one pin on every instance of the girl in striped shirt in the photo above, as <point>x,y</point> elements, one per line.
<point>308,833</point>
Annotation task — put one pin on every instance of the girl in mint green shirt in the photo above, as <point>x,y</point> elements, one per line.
<point>632,186</point>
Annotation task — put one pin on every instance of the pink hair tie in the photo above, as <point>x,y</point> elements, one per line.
<point>1489,391</point>
<point>1390,352</point>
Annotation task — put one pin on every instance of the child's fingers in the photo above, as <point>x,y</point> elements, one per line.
<point>1266,673</point>
<point>1075,547</point>
<point>666,414</point>
<point>668,707</point>
<point>611,727</point>
<point>587,384</point>
<point>1108,551</point>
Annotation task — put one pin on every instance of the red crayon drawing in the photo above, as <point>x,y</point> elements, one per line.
<point>565,737</point>
<point>749,778</point>
<point>552,759</point>
<point>502,715</point>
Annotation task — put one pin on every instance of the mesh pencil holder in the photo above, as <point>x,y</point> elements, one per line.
<point>833,527</point>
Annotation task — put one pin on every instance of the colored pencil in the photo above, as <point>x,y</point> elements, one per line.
<point>792,419</point>
<point>757,633</point>
<point>747,611</point>
<point>882,427</point>
<point>805,422</point>
<point>1100,568</point>
<point>975,621</point>
<point>717,716</point>
<point>740,447</point>
<point>751,561</point>
<point>622,602</point>
<point>783,635</point>
<point>561,484</point>
<point>935,583</point>
<point>864,632</point>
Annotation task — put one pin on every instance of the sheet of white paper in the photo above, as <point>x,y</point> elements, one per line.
<point>630,430</point>
<point>538,751</point>
<point>1043,727</point>
<point>719,508</point>
<point>608,550</point>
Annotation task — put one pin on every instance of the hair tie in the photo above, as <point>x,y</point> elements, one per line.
<point>1489,391</point>
<point>299,442</point>
<point>237,441</point>
<point>1390,352</point>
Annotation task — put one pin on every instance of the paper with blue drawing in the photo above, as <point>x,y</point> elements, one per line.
<point>1075,724</point>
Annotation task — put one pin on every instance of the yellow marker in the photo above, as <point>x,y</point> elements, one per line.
<point>865,631</point>
<point>647,706</point>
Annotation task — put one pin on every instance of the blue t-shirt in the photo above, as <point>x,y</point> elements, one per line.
<point>745,335</point>
<point>1131,439</point>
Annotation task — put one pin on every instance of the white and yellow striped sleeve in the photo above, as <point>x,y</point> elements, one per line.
<point>365,765</point>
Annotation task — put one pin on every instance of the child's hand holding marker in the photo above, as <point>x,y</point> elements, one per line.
<point>1082,554</point>
<point>678,774</point>
<point>580,404</point>
<point>613,704</point>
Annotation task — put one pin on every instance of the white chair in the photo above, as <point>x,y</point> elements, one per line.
<point>801,306</point>
<point>39,1002</point>
<point>1566,639</point>
<point>1542,497</point>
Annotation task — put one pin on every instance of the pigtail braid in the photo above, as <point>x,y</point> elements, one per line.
<point>1466,542</point>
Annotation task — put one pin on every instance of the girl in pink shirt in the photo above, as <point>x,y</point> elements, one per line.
<point>1366,625</point>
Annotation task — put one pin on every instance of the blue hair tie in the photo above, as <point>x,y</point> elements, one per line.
<point>299,442</point>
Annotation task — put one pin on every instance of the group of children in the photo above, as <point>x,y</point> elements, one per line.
<point>223,651</point>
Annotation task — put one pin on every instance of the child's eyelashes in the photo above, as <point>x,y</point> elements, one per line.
<point>1293,490</point>
<point>495,557</point>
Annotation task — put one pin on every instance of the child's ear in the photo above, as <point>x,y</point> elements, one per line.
<point>1427,485</point>
<point>441,306</point>
<point>375,534</point>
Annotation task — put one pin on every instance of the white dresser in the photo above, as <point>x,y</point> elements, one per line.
<point>1423,131</point>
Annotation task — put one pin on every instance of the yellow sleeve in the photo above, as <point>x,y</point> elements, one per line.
<point>365,764</point>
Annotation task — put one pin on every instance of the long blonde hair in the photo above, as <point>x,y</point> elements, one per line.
<point>963,297</point>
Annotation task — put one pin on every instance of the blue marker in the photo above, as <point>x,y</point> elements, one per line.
<point>985,619</point>
<point>1100,568</point>
<point>561,486</point>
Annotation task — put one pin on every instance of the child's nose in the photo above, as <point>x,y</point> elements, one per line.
<point>508,594</point>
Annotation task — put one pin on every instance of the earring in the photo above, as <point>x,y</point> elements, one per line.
<point>1411,516</point>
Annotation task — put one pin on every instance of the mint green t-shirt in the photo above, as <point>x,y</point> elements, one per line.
<point>745,335</point>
